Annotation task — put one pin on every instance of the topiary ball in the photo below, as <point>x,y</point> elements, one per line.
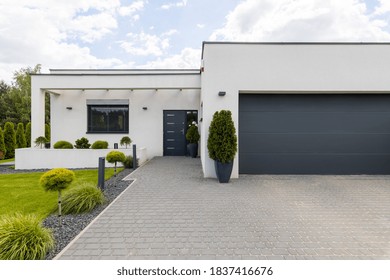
<point>57,179</point>
<point>115,156</point>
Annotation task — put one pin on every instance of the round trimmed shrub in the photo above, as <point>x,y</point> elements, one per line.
<point>83,198</point>
<point>22,237</point>
<point>57,179</point>
<point>115,156</point>
<point>192,134</point>
<point>99,144</point>
<point>63,145</point>
<point>82,143</point>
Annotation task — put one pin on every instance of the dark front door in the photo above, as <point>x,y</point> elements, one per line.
<point>314,134</point>
<point>174,133</point>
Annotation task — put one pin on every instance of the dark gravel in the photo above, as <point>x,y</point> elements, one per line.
<point>72,225</point>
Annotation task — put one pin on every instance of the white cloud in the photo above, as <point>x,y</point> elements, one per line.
<point>188,58</point>
<point>132,8</point>
<point>179,4</point>
<point>302,20</point>
<point>144,44</point>
<point>41,31</point>
<point>200,25</point>
<point>383,8</point>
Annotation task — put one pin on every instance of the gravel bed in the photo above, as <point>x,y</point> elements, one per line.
<point>72,225</point>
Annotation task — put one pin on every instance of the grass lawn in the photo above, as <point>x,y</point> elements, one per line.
<point>22,193</point>
<point>7,160</point>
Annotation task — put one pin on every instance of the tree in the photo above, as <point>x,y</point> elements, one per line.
<point>2,145</point>
<point>40,141</point>
<point>28,134</point>
<point>57,180</point>
<point>15,100</point>
<point>9,140</point>
<point>114,157</point>
<point>20,136</point>
<point>125,141</point>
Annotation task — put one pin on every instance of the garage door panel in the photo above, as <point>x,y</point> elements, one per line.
<point>311,164</point>
<point>314,143</point>
<point>316,122</point>
<point>304,103</point>
<point>314,134</point>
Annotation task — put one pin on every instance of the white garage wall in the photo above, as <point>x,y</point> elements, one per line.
<point>286,68</point>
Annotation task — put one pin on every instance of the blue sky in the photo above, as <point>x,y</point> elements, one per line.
<point>169,34</point>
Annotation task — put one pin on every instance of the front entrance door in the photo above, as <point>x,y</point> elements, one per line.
<point>174,133</point>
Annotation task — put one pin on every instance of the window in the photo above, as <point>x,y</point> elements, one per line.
<point>108,118</point>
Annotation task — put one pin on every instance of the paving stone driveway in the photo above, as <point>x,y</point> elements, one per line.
<point>171,212</point>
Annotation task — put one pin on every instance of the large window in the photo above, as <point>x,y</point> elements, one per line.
<point>108,118</point>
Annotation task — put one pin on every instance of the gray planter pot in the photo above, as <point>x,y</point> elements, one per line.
<point>193,149</point>
<point>223,170</point>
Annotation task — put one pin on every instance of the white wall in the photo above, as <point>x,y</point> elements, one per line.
<point>76,158</point>
<point>286,68</point>
<point>145,126</point>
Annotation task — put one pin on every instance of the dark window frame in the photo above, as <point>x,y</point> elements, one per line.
<point>109,121</point>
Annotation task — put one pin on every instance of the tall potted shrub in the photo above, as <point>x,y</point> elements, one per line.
<point>222,144</point>
<point>192,137</point>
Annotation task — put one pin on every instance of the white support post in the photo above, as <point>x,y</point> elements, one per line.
<point>37,113</point>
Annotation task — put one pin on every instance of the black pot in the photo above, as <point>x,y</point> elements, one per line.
<point>223,170</point>
<point>193,149</point>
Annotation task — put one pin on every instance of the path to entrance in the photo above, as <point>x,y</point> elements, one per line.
<point>172,212</point>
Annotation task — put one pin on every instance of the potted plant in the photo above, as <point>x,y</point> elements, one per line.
<point>40,141</point>
<point>222,144</point>
<point>192,137</point>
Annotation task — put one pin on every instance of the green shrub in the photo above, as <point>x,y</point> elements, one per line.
<point>2,145</point>
<point>115,156</point>
<point>20,136</point>
<point>22,237</point>
<point>192,134</point>
<point>82,199</point>
<point>222,141</point>
<point>82,143</point>
<point>128,162</point>
<point>9,140</point>
<point>125,141</point>
<point>40,141</point>
<point>99,144</point>
<point>57,179</point>
<point>28,135</point>
<point>63,145</point>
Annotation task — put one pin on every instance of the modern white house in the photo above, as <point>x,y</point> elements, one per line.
<point>299,108</point>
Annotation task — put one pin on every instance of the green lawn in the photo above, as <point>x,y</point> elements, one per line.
<point>7,160</point>
<point>22,192</point>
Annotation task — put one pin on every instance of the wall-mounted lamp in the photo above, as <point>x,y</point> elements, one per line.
<point>69,108</point>
<point>222,93</point>
<point>145,108</point>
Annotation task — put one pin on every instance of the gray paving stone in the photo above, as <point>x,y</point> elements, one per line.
<point>166,214</point>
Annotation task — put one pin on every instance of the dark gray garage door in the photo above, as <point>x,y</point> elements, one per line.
<point>314,134</point>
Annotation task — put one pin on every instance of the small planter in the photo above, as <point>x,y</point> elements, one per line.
<point>193,149</point>
<point>223,171</point>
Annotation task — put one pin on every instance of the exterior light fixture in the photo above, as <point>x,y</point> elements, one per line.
<point>145,108</point>
<point>222,93</point>
<point>69,108</point>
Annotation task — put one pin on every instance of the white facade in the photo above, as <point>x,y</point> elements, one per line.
<point>230,67</point>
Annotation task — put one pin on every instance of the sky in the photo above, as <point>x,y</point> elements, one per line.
<point>166,34</point>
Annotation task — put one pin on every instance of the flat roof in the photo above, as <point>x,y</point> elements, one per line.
<point>124,71</point>
<point>288,43</point>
